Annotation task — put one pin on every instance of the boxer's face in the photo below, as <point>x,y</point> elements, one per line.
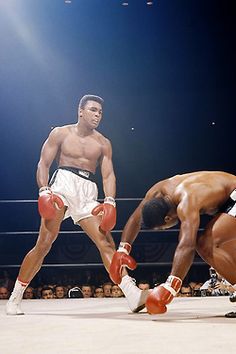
<point>91,114</point>
<point>169,222</point>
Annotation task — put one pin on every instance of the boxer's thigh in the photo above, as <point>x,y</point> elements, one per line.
<point>217,245</point>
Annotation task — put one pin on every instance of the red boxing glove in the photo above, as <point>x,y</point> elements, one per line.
<point>108,210</point>
<point>162,295</point>
<point>121,259</point>
<point>48,203</point>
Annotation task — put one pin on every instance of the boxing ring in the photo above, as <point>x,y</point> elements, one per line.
<point>91,326</point>
<point>107,326</point>
<point>75,231</point>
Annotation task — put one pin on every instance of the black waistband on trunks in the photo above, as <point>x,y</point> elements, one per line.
<point>81,173</point>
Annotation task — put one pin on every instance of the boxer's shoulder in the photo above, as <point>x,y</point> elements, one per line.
<point>58,134</point>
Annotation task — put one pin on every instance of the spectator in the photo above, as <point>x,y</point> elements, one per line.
<point>186,290</point>
<point>196,289</point>
<point>47,292</point>
<point>107,289</point>
<point>60,292</point>
<point>99,292</point>
<point>5,280</point>
<point>216,285</point>
<point>29,293</point>
<point>87,290</point>
<point>116,291</point>
<point>38,292</point>
<point>4,293</point>
<point>192,284</point>
<point>143,285</point>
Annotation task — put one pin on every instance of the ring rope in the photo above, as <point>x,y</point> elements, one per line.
<point>82,265</point>
<point>35,200</point>
<point>94,265</point>
<point>81,232</point>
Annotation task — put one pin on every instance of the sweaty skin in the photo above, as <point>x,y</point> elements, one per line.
<point>77,145</point>
<point>191,195</point>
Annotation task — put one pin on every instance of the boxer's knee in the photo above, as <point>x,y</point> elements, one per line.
<point>50,226</point>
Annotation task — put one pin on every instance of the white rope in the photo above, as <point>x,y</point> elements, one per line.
<point>18,201</point>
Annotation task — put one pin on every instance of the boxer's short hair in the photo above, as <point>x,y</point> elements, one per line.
<point>154,212</point>
<point>87,98</point>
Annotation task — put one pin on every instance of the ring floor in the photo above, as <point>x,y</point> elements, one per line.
<point>92,326</point>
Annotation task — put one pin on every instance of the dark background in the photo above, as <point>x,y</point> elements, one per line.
<point>167,74</point>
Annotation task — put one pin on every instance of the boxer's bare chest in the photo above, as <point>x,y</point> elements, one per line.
<point>78,147</point>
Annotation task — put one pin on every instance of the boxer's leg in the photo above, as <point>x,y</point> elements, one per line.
<point>136,298</point>
<point>33,261</point>
<point>102,240</point>
<point>217,246</point>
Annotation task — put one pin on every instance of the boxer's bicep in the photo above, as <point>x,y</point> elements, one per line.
<point>50,147</point>
<point>189,216</point>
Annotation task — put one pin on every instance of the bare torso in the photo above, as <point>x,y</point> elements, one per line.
<point>190,195</point>
<point>78,150</point>
<point>210,189</point>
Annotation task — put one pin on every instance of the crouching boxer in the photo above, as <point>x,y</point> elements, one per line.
<point>72,192</point>
<point>184,198</point>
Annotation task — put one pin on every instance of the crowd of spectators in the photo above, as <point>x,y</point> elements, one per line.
<point>214,286</point>
<point>59,291</point>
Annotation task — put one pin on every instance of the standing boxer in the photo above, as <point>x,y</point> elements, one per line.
<point>183,198</point>
<point>71,192</point>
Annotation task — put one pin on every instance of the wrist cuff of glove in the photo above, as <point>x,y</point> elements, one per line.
<point>173,284</point>
<point>124,247</point>
<point>110,200</point>
<point>44,190</point>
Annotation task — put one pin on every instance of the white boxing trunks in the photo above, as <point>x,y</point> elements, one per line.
<point>230,206</point>
<point>76,190</point>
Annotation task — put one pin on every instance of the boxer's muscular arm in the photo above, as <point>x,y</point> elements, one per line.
<point>163,294</point>
<point>108,208</point>
<point>107,171</point>
<point>48,203</point>
<point>132,226</point>
<point>48,154</point>
<point>121,258</point>
<point>189,217</point>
